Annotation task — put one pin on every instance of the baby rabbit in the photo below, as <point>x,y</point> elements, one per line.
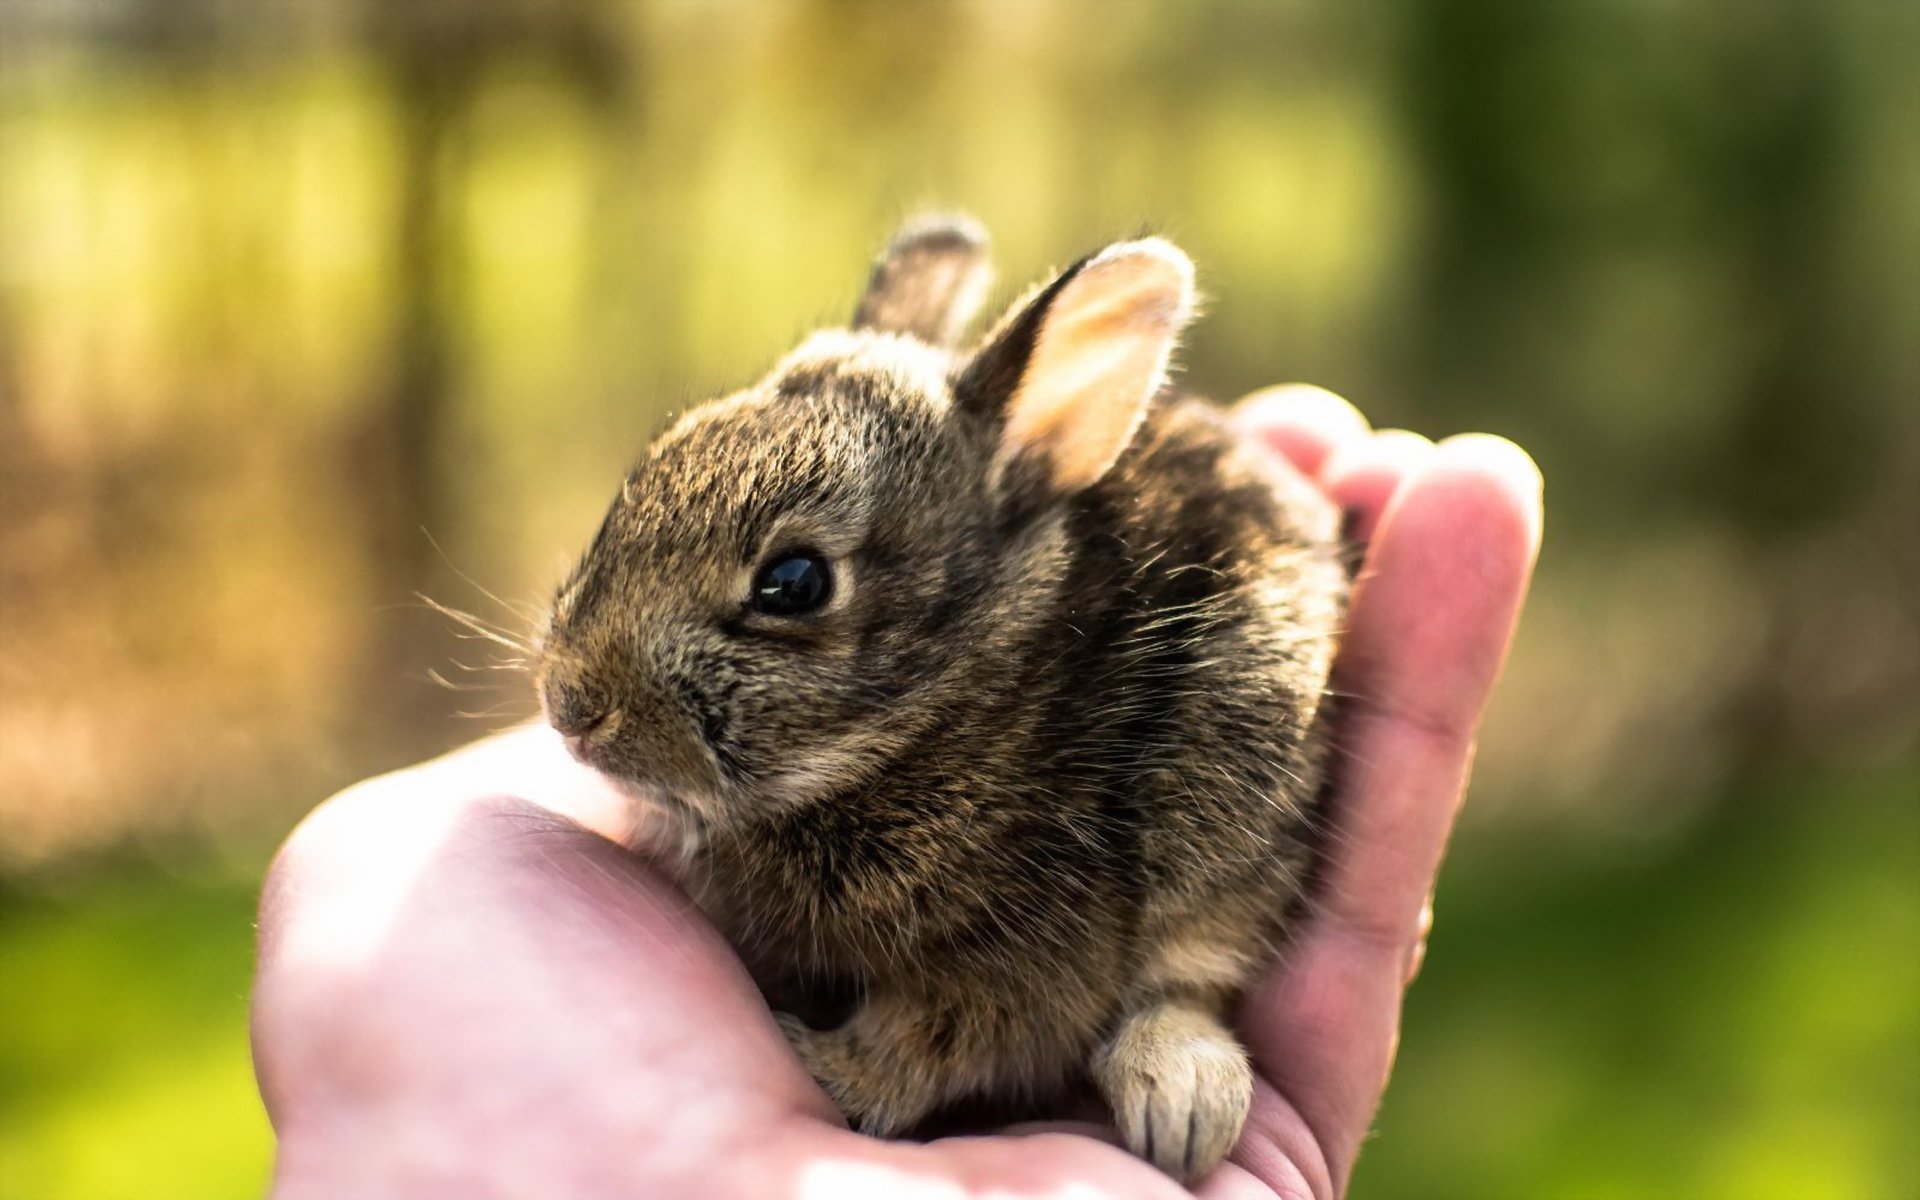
<point>989,685</point>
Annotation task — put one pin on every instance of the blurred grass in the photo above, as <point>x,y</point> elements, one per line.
<point>1734,1015</point>
<point>131,1079</point>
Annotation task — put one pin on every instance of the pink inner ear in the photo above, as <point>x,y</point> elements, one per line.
<point>1101,355</point>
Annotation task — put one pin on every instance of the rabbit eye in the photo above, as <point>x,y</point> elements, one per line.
<point>791,585</point>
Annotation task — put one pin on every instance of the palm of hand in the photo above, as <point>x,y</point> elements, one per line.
<point>466,988</point>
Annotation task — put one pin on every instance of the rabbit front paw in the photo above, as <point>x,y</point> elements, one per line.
<point>1179,1087</point>
<point>874,1101</point>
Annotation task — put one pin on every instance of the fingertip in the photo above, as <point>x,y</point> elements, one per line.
<point>1495,455</point>
<point>1447,570</point>
<point>1492,483</point>
<point>1300,402</point>
<point>1402,443</point>
<point>1493,459</point>
<point>1363,476</point>
<point>1305,423</point>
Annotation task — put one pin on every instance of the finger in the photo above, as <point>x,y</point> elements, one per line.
<point>531,761</point>
<point>1303,422</point>
<point>1363,475</point>
<point>1234,1182</point>
<point>1432,616</point>
<point>1277,1150</point>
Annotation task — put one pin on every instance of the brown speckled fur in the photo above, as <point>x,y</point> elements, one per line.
<point>1033,794</point>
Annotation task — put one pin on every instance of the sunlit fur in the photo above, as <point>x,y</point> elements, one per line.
<point>1035,792</point>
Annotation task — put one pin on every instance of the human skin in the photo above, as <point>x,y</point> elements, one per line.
<point>469,986</point>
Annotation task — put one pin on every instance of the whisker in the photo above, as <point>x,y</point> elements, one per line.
<point>524,612</point>
<point>502,709</point>
<point>477,626</point>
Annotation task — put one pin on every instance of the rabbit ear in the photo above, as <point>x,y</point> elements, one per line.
<point>930,281</point>
<point>1069,374</point>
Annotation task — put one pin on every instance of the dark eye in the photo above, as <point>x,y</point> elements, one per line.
<point>791,585</point>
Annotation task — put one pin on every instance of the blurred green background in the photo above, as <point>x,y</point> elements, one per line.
<point>307,309</point>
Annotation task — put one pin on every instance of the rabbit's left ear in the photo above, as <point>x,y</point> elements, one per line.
<point>930,281</point>
<point>1069,374</point>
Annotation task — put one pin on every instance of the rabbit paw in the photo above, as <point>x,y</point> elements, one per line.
<point>873,1103</point>
<point>1179,1086</point>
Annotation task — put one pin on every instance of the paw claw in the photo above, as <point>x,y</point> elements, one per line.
<point>1179,1086</point>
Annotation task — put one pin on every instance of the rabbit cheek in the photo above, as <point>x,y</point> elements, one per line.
<point>707,709</point>
<point>801,734</point>
<point>655,746</point>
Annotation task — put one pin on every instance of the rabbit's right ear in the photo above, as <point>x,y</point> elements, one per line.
<point>930,282</point>
<point>1067,377</point>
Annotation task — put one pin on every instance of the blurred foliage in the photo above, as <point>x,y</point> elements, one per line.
<point>124,1068</point>
<point>310,308</point>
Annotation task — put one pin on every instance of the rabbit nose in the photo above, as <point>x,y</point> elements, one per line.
<point>574,711</point>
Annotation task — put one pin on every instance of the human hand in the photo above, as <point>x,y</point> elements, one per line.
<point>468,987</point>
